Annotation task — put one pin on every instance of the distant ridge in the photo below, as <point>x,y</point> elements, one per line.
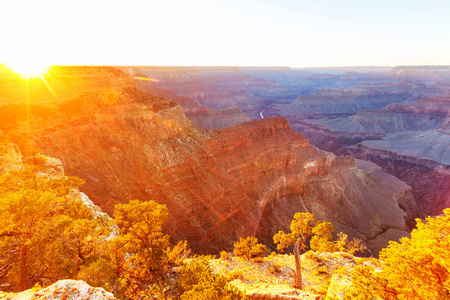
<point>264,68</point>
<point>424,67</point>
<point>341,70</point>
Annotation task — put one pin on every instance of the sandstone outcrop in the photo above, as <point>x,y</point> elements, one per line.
<point>218,185</point>
<point>430,181</point>
<point>10,159</point>
<point>51,168</point>
<point>63,289</point>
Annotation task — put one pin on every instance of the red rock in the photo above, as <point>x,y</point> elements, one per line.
<point>218,185</point>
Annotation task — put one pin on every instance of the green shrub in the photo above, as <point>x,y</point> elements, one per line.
<point>197,281</point>
<point>249,248</point>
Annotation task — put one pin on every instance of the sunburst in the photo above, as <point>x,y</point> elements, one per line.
<point>28,69</point>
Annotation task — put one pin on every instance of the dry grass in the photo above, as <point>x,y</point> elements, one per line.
<point>274,275</point>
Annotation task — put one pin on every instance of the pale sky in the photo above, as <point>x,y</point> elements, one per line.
<point>295,33</point>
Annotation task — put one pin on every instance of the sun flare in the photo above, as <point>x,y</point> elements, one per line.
<point>28,69</point>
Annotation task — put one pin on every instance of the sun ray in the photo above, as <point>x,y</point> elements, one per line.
<point>47,85</point>
<point>28,106</point>
<point>30,70</point>
<point>61,84</point>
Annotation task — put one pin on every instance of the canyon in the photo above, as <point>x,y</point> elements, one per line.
<point>218,185</point>
<point>395,117</point>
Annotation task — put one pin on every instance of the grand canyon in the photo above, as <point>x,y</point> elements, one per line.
<point>396,118</point>
<point>225,150</point>
<point>234,152</point>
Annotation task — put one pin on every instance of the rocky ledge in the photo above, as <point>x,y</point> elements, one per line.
<point>63,289</point>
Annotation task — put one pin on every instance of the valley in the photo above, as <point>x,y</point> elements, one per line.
<point>225,150</point>
<point>216,173</point>
<point>394,117</point>
<point>128,144</point>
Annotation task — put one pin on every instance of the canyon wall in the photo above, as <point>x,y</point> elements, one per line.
<point>389,118</point>
<point>365,112</point>
<point>218,185</point>
<point>410,141</point>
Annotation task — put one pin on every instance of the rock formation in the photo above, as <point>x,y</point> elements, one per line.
<point>11,159</point>
<point>218,185</point>
<point>409,141</point>
<point>388,118</point>
<point>63,289</point>
<point>424,114</point>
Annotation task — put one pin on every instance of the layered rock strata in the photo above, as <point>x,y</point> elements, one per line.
<point>200,116</point>
<point>218,185</point>
<point>410,141</point>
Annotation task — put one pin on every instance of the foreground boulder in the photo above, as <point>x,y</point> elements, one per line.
<point>63,289</point>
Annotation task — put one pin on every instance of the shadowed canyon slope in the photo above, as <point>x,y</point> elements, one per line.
<point>218,185</point>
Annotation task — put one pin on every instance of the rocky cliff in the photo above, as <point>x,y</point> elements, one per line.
<point>420,158</point>
<point>49,167</point>
<point>408,140</point>
<point>218,185</point>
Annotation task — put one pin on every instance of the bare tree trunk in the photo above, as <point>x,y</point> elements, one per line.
<point>23,267</point>
<point>298,277</point>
